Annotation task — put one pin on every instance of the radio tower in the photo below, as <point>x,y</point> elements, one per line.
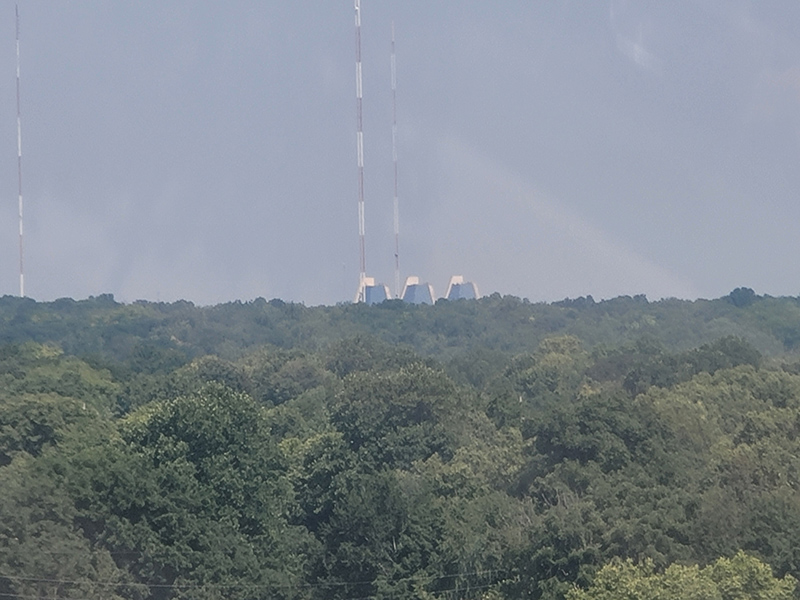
<point>394,159</point>
<point>19,170</point>
<point>362,276</point>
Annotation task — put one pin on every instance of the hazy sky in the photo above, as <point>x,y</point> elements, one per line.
<point>206,150</point>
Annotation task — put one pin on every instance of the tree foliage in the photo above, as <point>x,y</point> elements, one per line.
<point>495,449</point>
<point>740,577</point>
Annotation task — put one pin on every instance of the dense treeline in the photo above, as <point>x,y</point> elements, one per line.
<point>492,449</point>
<point>144,333</point>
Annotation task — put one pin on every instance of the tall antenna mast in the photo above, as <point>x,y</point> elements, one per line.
<point>19,170</point>
<point>394,159</point>
<point>362,276</point>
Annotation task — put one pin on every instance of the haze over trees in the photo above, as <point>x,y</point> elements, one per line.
<point>492,449</point>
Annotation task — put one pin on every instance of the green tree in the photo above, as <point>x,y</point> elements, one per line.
<point>43,552</point>
<point>741,577</point>
<point>193,494</point>
<point>395,418</point>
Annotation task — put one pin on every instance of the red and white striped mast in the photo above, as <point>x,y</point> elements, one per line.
<point>362,276</point>
<point>19,170</point>
<point>394,159</point>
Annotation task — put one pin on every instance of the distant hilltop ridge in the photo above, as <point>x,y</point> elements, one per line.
<point>101,325</point>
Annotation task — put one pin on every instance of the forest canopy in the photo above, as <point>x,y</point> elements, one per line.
<point>495,449</point>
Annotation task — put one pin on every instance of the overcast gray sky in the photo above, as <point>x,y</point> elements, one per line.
<point>206,150</point>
